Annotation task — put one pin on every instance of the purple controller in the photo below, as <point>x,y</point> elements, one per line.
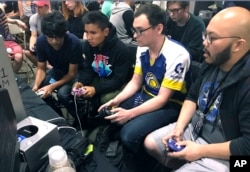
<point>77,91</point>
<point>173,147</point>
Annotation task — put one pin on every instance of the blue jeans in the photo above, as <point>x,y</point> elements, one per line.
<point>63,92</point>
<point>134,132</point>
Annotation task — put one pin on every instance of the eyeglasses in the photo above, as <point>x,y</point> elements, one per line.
<point>56,38</point>
<point>174,11</point>
<point>140,31</point>
<point>210,39</point>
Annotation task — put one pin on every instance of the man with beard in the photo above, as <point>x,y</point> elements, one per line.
<point>214,120</point>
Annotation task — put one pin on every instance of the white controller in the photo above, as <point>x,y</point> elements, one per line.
<point>39,93</point>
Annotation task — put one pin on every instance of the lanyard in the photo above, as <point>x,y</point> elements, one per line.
<point>212,95</point>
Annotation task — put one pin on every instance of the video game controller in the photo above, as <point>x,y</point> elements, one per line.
<point>173,147</point>
<point>39,93</point>
<point>77,91</point>
<point>105,112</point>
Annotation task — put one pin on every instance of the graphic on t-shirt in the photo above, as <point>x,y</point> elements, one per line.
<point>152,81</point>
<point>179,68</point>
<point>101,66</point>
<point>204,98</point>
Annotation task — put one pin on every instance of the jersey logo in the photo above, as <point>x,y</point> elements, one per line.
<point>152,81</point>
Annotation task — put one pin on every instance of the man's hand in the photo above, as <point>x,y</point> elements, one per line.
<point>120,117</point>
<point>21,24</point>
<point>191,152</point>
<point>89,91</point>
<point>47,91</point>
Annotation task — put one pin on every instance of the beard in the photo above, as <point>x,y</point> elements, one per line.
<point>221,57</point>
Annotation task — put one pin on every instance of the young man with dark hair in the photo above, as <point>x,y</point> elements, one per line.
<point>186,28</point>
<point>106,62</point>
<point>63,51</point>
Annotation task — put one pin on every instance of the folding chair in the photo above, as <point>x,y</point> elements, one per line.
<point>20,37</point>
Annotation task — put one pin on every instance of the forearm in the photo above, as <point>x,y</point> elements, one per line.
<point>130,89</point>
<point>40,75</point>
<point>218,150</point>
<point>66,78</point>
<point>149,106</point>
<point>186,113</point>
<point>33,40</point>
<point>12,21</point>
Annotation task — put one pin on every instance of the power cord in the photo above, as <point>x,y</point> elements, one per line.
<point>77,116</point>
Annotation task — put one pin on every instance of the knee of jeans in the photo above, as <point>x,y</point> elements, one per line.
<point>62,97</point>
<point>128,141</point>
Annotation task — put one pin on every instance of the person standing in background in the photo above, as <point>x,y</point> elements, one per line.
<point>106,7</point>
<point>122,17</point>
<point>73,11</point>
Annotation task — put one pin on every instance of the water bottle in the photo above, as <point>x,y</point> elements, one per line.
<point>59,161</point>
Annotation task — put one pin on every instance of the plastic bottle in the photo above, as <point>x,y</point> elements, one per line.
<point>59,161</point>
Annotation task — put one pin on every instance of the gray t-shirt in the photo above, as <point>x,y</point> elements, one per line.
<point>35,23</point>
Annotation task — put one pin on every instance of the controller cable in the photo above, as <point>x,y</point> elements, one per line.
<point>77,116</point>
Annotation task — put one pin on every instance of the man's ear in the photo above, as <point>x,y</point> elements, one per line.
<point>106,31</point>
<point>239,45</point>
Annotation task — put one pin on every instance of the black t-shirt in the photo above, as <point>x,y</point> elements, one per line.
<point>212,130</point>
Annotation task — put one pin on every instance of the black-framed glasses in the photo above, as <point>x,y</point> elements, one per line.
<point>56,38</point>
<point>174,11</point>
<point>210,39</point>
<point>140,31</point>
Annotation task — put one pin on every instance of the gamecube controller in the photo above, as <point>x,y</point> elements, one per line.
<point>105,112</point>
<point>40,93</point>
<point>77,91</point>
<point>173,147</point>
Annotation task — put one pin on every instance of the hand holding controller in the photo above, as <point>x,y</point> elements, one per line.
<point>40,93</point>
<point>77,91</point>
<point>173,147</point>
<point>106,111</point>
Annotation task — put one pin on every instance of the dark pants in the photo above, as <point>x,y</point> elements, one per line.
<point>63,92</point>
<point>134,132</point>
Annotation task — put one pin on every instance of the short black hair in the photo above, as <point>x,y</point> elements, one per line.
<point>183,4</point>
<point>97,18</point>
<point>154,13</point>
<point>54,25</point>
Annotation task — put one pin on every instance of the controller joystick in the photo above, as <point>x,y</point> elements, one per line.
<point>173,147</point>
<point>105,112</point>
<point>77,91</point>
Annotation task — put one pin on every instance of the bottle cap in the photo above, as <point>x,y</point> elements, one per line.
<point>57,156</point>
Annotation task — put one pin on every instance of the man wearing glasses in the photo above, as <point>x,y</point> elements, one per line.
<point>63,51</point>
<point>186,28</point>
<point>154,95</point>
<point>214,120</point>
